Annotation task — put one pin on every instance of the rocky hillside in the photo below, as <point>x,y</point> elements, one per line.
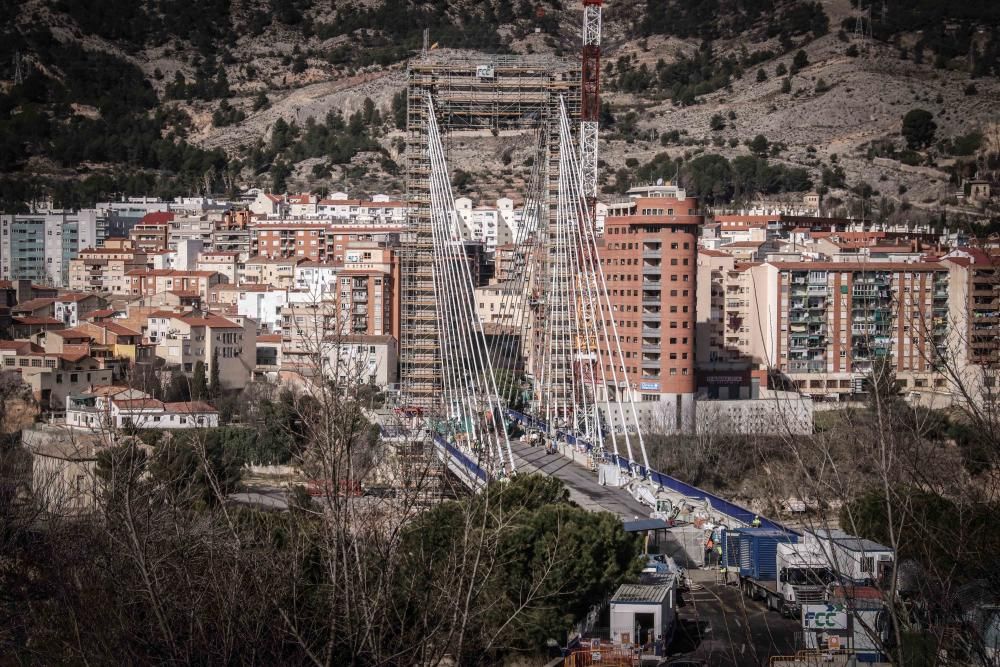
<point>741,98</point>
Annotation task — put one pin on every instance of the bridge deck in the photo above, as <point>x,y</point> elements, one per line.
<point>582,484</point>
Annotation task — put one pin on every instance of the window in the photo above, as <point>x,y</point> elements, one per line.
<point>868,564</point>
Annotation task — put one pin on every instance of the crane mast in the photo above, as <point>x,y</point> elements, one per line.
<point>590,98</point>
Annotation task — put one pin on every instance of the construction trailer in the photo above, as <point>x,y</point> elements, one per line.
<point>855,560</point>
<point>645,615</point>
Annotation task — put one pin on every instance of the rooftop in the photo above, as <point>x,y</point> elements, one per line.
<point>641,593</point>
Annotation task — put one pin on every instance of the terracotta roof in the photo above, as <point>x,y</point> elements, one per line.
<point>713,253</point>
<point>73,356</point>
<point>21,346</point>
<point>71,333</point>
<point>269,338</point>
<point>103,312</point>
<point>75,296</point>
<point>139,403</point>
<point>40,321</point>
<point>119,330</point>
<point>157,217</point>
<point>209,320</point>
<point>189,407</point>
<point>168,313</point>
<point>32,304</point>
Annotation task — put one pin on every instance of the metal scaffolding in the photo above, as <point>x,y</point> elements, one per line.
<point>486,93</point>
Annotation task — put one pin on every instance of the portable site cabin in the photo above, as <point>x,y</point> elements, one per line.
<point>853,559</point>
<point>644,614</point>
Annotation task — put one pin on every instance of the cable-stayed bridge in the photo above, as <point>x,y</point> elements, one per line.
<point>559,332</point>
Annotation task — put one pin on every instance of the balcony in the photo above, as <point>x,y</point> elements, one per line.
<point>652,272</point>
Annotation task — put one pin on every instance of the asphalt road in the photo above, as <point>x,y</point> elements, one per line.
<point>582,484</point>
<point>723,628</point>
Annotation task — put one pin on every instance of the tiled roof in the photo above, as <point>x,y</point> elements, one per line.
<point>189,407</point>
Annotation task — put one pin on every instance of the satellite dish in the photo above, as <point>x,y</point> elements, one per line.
<point>659,181</point>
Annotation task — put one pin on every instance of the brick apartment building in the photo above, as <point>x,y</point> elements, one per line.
<point>649,260</point>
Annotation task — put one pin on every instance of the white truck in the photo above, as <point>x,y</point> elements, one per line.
<point>775,569</point>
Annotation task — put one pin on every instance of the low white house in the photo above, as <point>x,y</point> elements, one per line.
<point>131,408</point>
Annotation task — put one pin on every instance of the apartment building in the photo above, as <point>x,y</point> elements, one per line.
<point>317,279</point>
<point>262,303</point>
<point>288,238</point>
<point>212,340</point>
<point>975,302</point>
<point>152,233</point>
<point>825,326</point>
<point>277,272</point>
<point>225,263</point>
<point>39,247</point>
<point>104,269</point>
<point>191,228</point>
<point>370,360</point>
<point>148,283</point>
<point>649,260</point>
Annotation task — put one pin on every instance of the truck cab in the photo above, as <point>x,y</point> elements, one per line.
<point>803,576</point>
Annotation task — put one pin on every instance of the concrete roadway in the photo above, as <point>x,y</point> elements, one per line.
<point>582,484</point>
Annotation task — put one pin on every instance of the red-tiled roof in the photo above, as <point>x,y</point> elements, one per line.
<point>71,333</point>
<point>119,330</point>
<point>139,403</point>
<point>713,253</point>
<point>189,407</point>
<point>73,357</point>
<point>269,338</point>
<point>75,296</point>
<point>209,320</point>
<point>19,346</point>
<point>157,218</point>
<point>103,312</point>
<point>32,305</point>
<point>38,321</point>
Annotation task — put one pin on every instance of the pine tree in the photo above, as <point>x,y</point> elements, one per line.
<point>214,387</point>
<point>199,385</point>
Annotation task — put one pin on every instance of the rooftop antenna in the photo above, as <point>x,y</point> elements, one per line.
<point>427,39</point>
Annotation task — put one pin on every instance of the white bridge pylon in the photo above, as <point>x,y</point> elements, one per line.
<point>556,298</point>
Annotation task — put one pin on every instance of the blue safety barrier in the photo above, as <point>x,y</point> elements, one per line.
<point>462,458</point>
<point>720,504</point>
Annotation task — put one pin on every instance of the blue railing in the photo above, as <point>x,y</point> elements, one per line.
<point>719,504</point>
<point>462,458</point>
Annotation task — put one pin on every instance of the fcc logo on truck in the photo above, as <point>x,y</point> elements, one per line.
<point>824,617</point>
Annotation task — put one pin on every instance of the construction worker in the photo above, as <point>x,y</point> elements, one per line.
<point>724,571</point>
<point>756,522</point>
<point>709,547</point>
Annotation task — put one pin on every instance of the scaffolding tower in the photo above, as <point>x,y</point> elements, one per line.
<point>493,94</point>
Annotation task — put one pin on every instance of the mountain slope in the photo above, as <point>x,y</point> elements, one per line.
<point>171,96</point>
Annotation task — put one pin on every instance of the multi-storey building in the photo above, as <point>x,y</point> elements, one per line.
<point>825,327</point>
<point>975,302</point>
<point>104,269</point>
<point>288,238</point>
<point>212,340</point>
<point>650,264</point>
<point>39,247</point>
<point>151,236</point>
<point>147,283</point>
<point>222,262</point>
<point>277,272</point>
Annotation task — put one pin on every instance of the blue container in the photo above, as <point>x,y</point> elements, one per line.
<point>758,550</point>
